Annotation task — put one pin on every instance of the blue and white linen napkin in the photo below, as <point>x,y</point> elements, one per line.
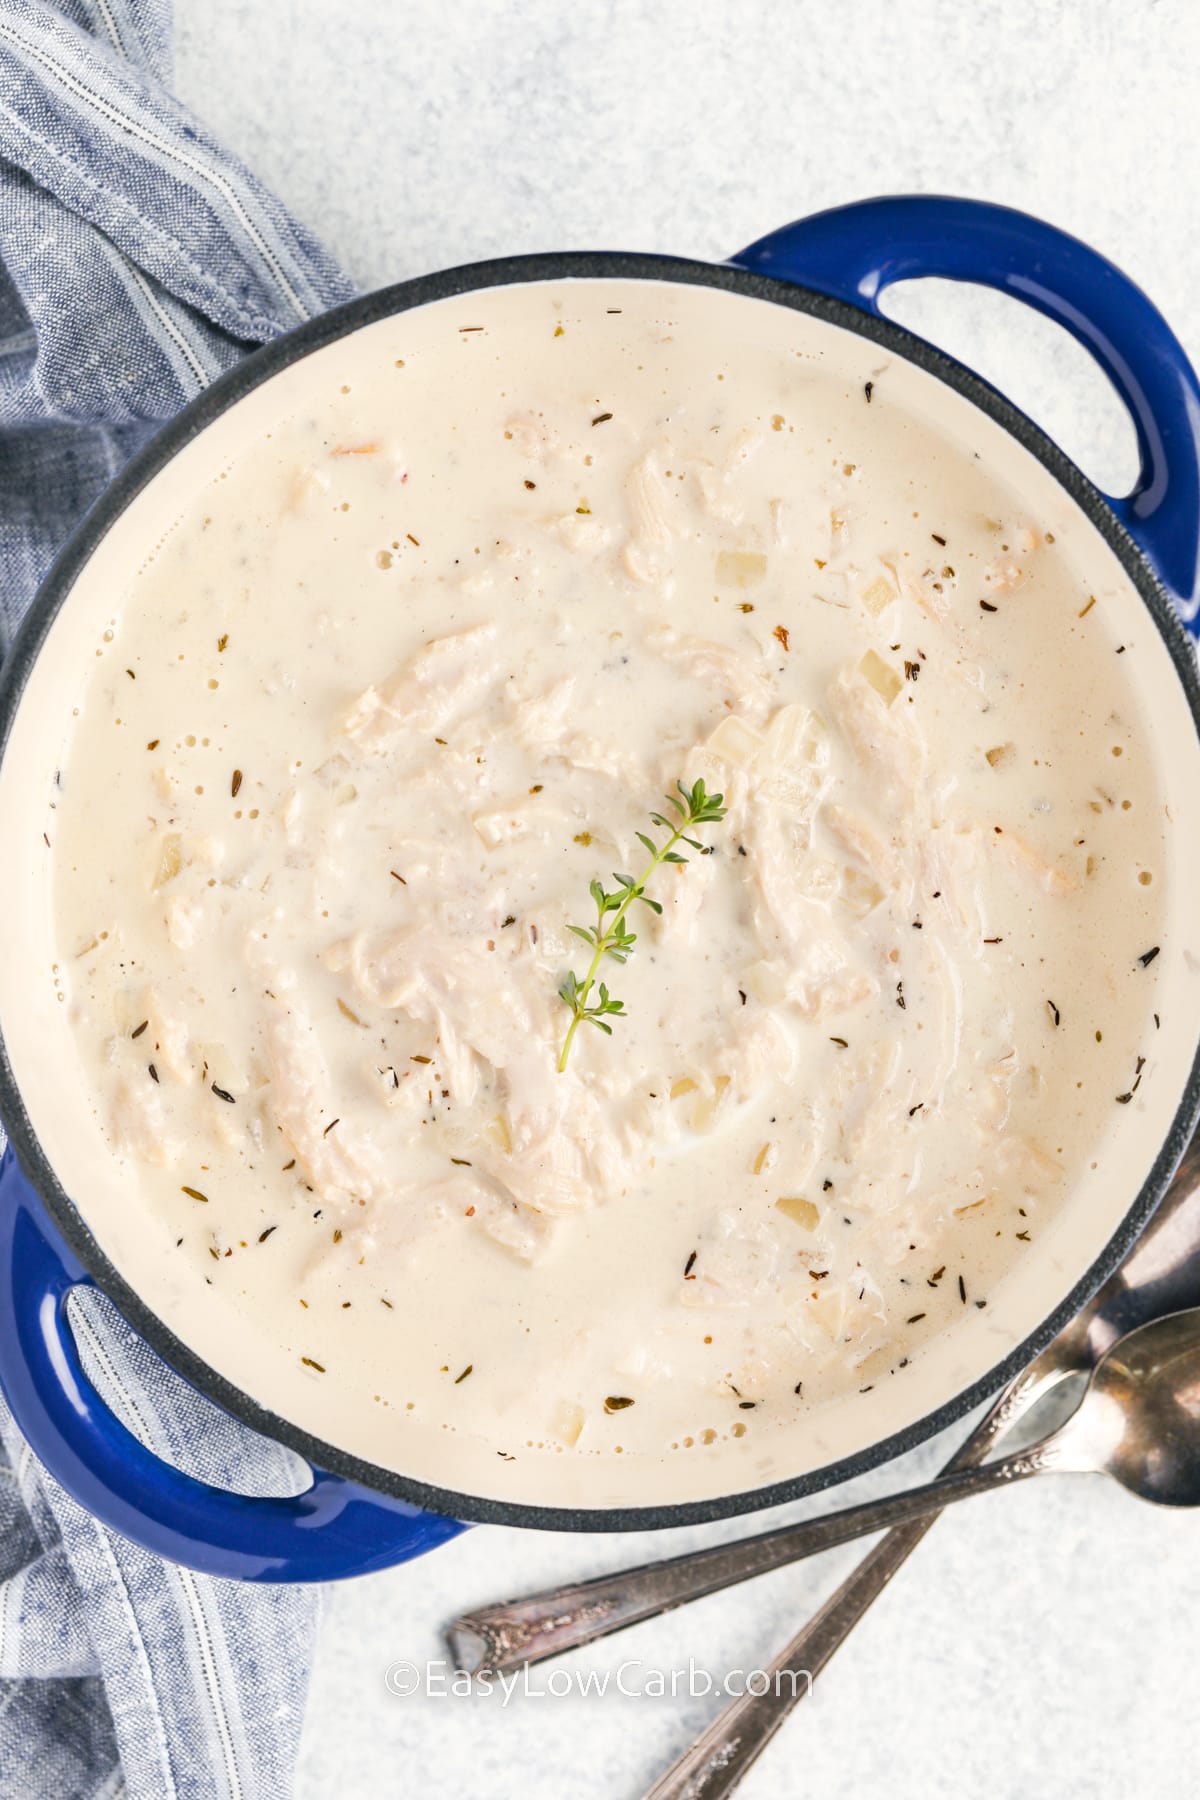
<point>137,260</point>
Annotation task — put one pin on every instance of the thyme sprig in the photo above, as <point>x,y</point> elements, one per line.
<point>610,936</point>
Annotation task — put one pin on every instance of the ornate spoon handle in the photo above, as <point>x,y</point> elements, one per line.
<point>720,1757</point>
<point>524,1631</point>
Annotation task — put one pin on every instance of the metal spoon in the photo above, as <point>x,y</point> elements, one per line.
<point>1138,1421</point>
<point>1161,1275</point>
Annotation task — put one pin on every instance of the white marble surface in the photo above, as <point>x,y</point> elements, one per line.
<point>1043,1642</point>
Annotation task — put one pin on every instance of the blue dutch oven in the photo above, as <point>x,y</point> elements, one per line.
<point>356,1517</point>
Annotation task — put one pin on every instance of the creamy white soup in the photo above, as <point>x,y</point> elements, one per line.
<point>500,581</point>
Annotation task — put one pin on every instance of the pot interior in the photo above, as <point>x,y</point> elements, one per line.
<point>49,1108</point>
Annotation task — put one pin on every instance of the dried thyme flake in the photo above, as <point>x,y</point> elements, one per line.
<point>138,1029</point>
<point>223,1094</point>
<point>464,1374</point>
<point>617,1403</point>
<point>235,785</point>
<point>1148,956</point>
<point>264,1235</point>
<point>1053,1011</point>
<point>986,606</point>
<point>689,1265</point>
<point>153,1072</point>
<point>310,1362</point>
<point>194,1194</point>
<point>601,418</point>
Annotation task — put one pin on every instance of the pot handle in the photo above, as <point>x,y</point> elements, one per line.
<point>853,253</point>
<point>334,1529</point>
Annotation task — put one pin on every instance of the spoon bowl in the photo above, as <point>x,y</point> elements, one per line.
<point>1138,1421</point>
<point>1147,1389</point>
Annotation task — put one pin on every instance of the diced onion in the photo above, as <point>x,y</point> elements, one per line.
<point>767,982</point>
<point>882,677</point>
<point>879,594</point>
<point>740,568</point>
<point>803,1212</point>
<point>170,859</point>
<point>734,742</point>
<point>568,1422</point>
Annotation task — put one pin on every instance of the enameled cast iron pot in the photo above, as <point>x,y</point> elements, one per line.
<point>833,267</point>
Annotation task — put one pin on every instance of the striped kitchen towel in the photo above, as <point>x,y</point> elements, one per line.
<point>137,260</point>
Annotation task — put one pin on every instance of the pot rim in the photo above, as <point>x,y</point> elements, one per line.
<point>272,359</point>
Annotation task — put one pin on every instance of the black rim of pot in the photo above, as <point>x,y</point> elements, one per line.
<point>261,365</point>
